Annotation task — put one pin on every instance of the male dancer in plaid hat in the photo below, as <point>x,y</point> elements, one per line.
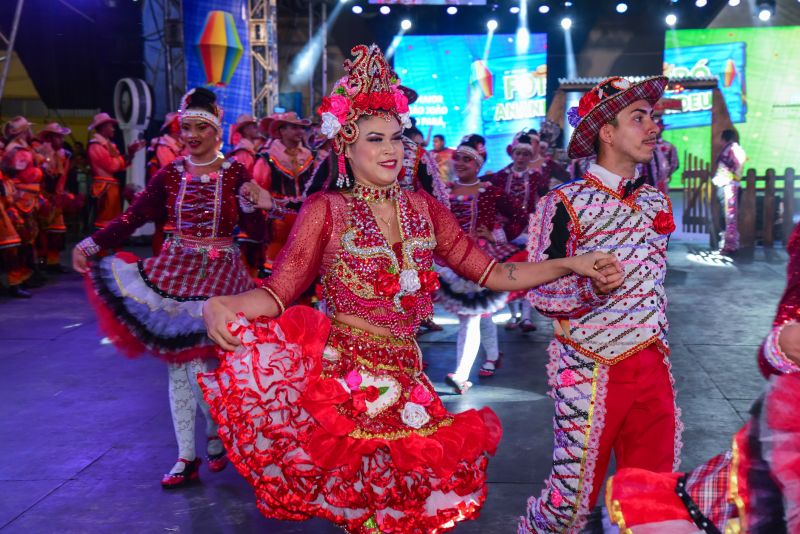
<point>608,370</point>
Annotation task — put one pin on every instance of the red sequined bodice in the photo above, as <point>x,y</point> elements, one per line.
<point>338,238</point>
<point>384,284</point>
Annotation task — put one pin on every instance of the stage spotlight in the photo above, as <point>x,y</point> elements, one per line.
<point>701,3</point>
<point>544,8</point>
<point>491,25</point>
<point>566,23</point>
<point>385,10</point>
<point>358,10</point>
<point>671,19</point>
<point>567,4</point>
<point>405,25</point>
<point>734,3</point>
<point>764,14</point>
<point>622,7</point>
<point>452,10</point>
<point>514,9</point>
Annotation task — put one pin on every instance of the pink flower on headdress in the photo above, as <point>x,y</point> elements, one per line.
<point>400,102</point>
<point>339,106</point>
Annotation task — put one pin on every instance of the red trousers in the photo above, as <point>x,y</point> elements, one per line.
<point>627,408</point>
<point>640,417</point>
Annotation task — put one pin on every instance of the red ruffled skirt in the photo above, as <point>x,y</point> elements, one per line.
<point>330,421</point>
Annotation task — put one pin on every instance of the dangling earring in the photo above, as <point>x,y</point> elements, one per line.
<point>342,180</point>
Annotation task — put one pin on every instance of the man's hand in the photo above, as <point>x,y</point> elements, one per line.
<point>614,277</point>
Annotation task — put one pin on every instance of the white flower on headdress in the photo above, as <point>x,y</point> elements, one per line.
<point>330,125</point>
<point>409,281</point>
<point>414,415</point>
<point>405,120</point>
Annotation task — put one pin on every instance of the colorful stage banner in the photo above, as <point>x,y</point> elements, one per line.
<point>759,78</point>
<point>726,62</point>
<point>468,84</point>
<point>215,41</point>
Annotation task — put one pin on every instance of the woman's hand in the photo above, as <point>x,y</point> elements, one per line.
<point>217,316</point>
<point>79,261</point>
<point>604,269</point>
<point>257,196</point>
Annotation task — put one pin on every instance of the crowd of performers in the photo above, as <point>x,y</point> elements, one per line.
<point>325,408</point>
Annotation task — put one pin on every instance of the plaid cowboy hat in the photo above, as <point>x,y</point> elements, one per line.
<point>102,118</point>
<point>602,104</point>
<point>271,124</point>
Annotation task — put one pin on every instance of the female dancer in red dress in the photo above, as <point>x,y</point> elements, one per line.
<point>333,417</point>
<point>155,305</point>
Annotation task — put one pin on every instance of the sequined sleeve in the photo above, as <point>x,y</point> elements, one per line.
<point>299,260</point>
<point>252,221</point>
<point>772,360</point>
<point>549,237</point>
<point>149,205</point>
<point>513,212</point>
<point>456,248</point>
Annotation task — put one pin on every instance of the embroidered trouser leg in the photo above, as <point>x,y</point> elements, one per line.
<point>628,408</point>
<point>731,216</point>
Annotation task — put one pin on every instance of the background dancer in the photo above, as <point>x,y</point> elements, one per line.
<point>727,177</point>
<point>492,218</point>
<point>155,305</point>
<point>525,180</point>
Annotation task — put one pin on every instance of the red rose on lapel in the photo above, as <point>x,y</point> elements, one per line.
<point>664,223</point>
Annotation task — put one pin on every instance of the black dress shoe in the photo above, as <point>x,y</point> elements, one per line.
<point>19,293</point>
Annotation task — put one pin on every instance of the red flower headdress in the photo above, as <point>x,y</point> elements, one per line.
<point>370,87</point>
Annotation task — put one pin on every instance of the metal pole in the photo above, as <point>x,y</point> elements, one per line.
<point>10,49</point>
<point>310,37</point>
<point>324,89</point>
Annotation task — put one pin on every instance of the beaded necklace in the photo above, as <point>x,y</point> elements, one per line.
<point>374,194</point>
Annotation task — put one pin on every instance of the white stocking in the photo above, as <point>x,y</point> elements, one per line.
<point>467,345</point>
<point>194,368</point>
<point>488,332</point>
<point>183,406</point>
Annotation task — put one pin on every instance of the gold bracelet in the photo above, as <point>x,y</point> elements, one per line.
<point>281,307</point>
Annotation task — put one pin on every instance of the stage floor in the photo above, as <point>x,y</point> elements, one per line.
<point>86,433</point>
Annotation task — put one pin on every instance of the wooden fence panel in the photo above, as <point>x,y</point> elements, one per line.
<point>747,211</point>
<point>788,204</point>
<point>768,210</point>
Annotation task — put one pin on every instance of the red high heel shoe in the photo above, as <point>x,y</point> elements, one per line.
<point>490,367</point>
<point>189,474</point>
<point>217,462</point>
